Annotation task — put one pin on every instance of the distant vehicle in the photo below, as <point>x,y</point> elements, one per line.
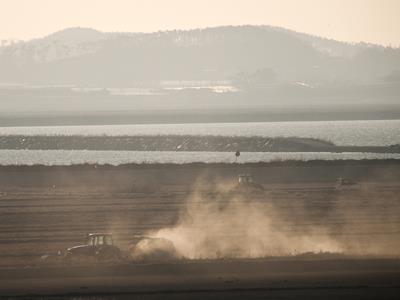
<point>342,182</point>
<point>245,179</point>
<point>246,183</point>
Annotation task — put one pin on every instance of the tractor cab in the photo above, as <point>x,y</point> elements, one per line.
<point>98,247</point>
<point>99,239</point>
<point>247,184</point>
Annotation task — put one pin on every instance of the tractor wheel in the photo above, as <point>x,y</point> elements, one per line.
<point>108,255</point>
<point>79,259</point>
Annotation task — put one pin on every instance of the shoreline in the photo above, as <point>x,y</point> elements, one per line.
<point>149,177</point>
<point>283,163</point>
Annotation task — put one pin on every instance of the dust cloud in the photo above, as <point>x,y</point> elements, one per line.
<point>234,227</point>
<point>222,221</point>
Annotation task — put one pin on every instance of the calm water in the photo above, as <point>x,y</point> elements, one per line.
<point>358,133</point>
<point>68,157</point>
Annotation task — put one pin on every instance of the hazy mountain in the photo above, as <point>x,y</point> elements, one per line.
<point>83,56</point>
<point>75,35</point>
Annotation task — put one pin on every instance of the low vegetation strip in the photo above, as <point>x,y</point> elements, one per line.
<point>181,143</point>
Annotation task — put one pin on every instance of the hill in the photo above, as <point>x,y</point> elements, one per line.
<point>86,57</point>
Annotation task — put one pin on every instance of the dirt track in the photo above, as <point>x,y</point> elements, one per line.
<point>46,209</point>
<point>262,279</point>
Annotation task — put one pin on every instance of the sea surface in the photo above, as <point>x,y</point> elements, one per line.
<point>341,133</point>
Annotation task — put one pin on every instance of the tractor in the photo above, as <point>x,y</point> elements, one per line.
<point>247,184</point>
<point>99,247</point>
<point>343,183</point>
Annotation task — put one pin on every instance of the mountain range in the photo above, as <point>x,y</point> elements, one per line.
<point>242,54</point>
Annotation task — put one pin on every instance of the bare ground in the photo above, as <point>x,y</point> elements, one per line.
<point>43,209</point>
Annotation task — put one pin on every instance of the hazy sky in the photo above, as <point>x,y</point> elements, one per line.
<point>375,21</point>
